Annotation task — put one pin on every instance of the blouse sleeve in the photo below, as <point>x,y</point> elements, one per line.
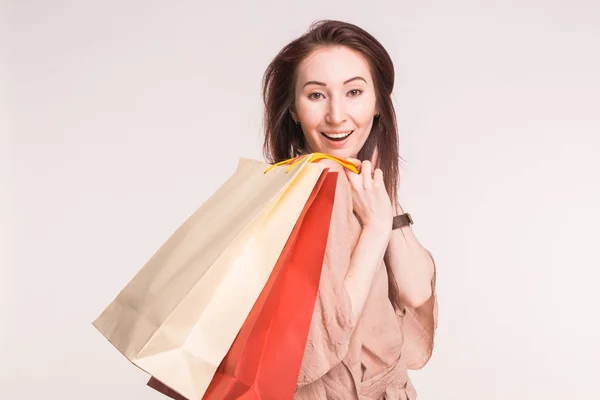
<point>331,325</point>
<point>419,325</point>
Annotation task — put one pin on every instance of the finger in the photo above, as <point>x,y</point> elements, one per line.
<point>367,174</point>
<point>375,156</point>
<point>355,180</point>
<point>378,178</point>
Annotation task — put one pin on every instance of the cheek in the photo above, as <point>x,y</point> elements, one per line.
<point>364,117</point>
<point>310,113</point>
<point>364,111</point>
<point>367,118</point>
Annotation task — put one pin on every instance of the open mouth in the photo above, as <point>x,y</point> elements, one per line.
<point>337,137</point>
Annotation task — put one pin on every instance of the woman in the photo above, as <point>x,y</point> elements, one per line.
<point>329,91</point>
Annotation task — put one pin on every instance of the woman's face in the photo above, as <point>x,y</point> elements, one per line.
<point>335,101</point>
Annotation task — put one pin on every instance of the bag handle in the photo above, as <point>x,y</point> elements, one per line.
<point>314,157</point>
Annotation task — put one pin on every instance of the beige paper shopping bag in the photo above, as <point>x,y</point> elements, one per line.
<point>179,315</point>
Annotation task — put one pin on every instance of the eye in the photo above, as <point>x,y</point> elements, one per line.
<point>355,92</point>
<point>315,96</point>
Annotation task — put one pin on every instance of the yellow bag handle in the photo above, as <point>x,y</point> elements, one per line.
<point>314,157</point>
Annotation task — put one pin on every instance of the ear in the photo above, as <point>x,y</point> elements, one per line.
<point>293,113</point>
<point>377,111</point>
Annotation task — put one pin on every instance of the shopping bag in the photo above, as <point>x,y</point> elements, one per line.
<point>264,360</point>
<point>179,315</point>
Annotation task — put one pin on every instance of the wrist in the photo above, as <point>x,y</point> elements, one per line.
<point>380,231</point>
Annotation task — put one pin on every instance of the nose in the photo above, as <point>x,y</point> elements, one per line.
<point>336,112</point>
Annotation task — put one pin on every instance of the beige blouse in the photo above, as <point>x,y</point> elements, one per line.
<point>369,360</point>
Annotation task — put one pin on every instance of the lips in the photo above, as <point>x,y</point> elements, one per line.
<point>338,136</point>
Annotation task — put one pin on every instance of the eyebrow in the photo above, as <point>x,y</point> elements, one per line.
<point>345,82</point>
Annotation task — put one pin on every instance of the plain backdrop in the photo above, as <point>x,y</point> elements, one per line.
<point>119,118</point>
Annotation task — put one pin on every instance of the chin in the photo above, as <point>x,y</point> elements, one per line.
<point>343,152</point>
<point>346,151</point>
<point>340,153</point>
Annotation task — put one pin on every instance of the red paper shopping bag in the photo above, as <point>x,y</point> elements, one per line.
<point>264,360</point>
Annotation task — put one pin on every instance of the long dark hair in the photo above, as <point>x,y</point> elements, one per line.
<point>284,138</point>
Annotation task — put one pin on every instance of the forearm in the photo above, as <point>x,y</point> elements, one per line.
<point>366,259</point>
<point>411,264</point>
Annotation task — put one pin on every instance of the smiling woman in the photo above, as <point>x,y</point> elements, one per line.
<point>329,91</point>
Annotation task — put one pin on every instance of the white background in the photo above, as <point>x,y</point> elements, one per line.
<point>119,118</point>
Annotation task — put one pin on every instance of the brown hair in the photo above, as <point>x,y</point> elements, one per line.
<point>284,138</point>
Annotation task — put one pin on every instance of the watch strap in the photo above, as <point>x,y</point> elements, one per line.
<point>402,220</point>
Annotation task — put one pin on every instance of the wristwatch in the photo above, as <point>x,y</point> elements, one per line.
<point>402,220</point>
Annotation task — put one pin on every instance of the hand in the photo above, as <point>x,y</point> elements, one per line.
<point>370,199</point>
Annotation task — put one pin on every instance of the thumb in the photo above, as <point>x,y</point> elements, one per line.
<point>354,179</point>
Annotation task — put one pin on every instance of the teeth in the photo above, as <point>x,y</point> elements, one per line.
<point>337,135</point>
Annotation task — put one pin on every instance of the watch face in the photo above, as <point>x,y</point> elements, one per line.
<point>402,220</point>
